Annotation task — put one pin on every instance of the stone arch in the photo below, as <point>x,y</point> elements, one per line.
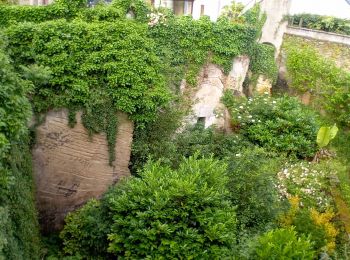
<point>271,44</point>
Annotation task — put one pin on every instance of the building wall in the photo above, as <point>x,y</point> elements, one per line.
<point>274,28</point>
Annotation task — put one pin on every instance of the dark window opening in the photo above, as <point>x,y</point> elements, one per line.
<point>201,121</point>
<point>202,10</point>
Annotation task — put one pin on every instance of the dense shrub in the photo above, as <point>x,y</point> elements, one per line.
<point>252,188</point>
<point>310,222</point>
<point>167,213</point>
<point>283,244</point>
<point>280,125</point>
<point>159,141</point>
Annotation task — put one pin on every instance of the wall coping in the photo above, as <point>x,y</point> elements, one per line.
<point>319,35</point>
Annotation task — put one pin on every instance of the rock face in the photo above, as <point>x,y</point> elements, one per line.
<point>212,82</point>
<point>70,167</point>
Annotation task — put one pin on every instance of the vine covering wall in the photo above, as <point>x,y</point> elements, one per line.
<point>98,61</point>
<point>19,236</point>
<point>95,60</point>
<point>308,70</point>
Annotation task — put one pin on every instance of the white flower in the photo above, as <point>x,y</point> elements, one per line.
<point>238,155</point>
<point>274,102</point>
<point>239,117</point>
<point>253,121</point>
<point>241,107</point>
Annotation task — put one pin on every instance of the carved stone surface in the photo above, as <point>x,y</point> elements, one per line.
<point>70,167</point>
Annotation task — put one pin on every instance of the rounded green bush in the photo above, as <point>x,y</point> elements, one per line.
<point>164,214</point>
<point>281,125</point>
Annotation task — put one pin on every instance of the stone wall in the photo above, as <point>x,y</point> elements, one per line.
<point>337,52</point>
<point>70,167</point>
<point>212,83</point>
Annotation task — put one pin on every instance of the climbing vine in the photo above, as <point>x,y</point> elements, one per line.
<point>329,85</point>
<point>100,62</point>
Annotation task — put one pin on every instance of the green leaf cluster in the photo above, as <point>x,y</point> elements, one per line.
<point>167,213</point>
<point>326,134</point>
<point>283,244</point>
<point>281,125</point>
<point>19,238</point>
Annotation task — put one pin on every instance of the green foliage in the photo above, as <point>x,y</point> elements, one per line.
<point>159,141</point>
<point>167,213</point>
<point>326,134</point>
<point>224,40</point>
<point>263,61</point>
<point>138,7</point>
<point>101,117</point>
<point>283,244</point>
<point>309,71</point>
<point>308,181</point>
<point>91,71</point>
<point>280,125</point>
<point>252,188</point>
<point>19,238</point>
<point>251,170</point>
<point>233,12</point>
<point>85,232</point>
<point>319,22</point>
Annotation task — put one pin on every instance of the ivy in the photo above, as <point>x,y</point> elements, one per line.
<point>96,56</point>
<point>19,233</point>
<point>308,71</point>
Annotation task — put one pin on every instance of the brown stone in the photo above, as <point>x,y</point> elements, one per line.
<point>70,167</point>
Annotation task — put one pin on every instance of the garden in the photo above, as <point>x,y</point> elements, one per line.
<point>277,186</point>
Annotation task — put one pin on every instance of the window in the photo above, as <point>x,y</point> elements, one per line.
<point>202,10</point>
<point>183,7</point>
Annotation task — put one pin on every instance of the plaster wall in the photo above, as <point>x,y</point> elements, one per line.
<point>274,28</point>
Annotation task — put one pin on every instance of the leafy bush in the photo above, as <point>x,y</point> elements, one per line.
<point>252,188</point>
<point>85,232</point>
<point>159,141</point>
<point>283,244</point>
<point>312,223</point>
<point>308,181</point>
<point>167,213</point>
<point>280,125</point>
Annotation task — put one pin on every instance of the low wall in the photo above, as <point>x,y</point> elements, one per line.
<point>318,35</point>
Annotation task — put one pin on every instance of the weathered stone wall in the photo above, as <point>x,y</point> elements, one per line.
<point>211,85</point>
<point>70,167</point>
<point>337,52</point>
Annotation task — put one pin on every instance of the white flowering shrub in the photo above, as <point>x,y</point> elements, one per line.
<point>306,180</point>
<point>281,125</point>
<point>156,18</point>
